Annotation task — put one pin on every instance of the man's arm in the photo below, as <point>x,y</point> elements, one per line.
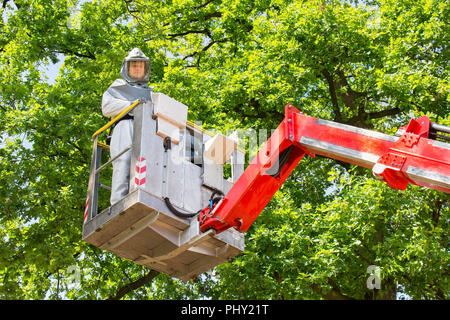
<point>113,105</point>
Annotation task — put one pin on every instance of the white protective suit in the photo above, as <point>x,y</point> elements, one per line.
<point>119,96</point>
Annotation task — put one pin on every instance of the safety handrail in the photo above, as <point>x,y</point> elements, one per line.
<point>193,125</point>
<point>117,118</point>
<point>209,133</point>
<point>103,145</point>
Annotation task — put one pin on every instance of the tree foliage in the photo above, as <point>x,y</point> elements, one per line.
<point>235,63</point>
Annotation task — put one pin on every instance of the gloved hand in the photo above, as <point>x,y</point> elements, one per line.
<point>143,100</point>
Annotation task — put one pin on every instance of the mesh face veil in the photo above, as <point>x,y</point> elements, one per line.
<point>134,72</point>
<point>138,69</point>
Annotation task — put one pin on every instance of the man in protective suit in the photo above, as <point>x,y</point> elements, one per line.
<point>120,95</point>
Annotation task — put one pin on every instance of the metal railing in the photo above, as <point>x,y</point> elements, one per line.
<point>117,118</point>
<point>96,166</point>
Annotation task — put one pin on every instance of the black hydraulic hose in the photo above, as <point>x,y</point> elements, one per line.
<point>216,191</point>
<point>213,200</point>
<point>177,212</point>
<point>216,200</point>
<point>282,159</point>
<point>167,146</point>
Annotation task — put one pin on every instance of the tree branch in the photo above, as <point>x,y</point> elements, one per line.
<point>203,4</point>
<point>350,96</point>
<point>64,50</point>
<point>333,294</point>
<point>134,285</point>
<point>366,260</point>
<point>383,113</point>
<point>204,49</point>
<point>77,54</point>
<point>332,89</point>
<point>174,35</point>
<point>206,17</point>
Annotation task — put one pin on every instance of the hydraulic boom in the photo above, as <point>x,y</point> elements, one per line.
<point>411,157</point>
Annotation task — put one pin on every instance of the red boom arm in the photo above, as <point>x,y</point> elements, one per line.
<point>411,158</point>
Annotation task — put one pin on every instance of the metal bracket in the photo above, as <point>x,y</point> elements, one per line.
<point>392,160</point>
<point>409,139</point>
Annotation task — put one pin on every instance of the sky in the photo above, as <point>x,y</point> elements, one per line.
<point>52,69</point>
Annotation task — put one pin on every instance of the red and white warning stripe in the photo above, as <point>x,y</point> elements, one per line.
<point>86,210</point>
<point>141,168</point>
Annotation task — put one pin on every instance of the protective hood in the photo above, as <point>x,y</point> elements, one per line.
<point>135,55</point>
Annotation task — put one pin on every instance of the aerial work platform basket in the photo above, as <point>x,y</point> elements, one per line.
<point>174,169</point>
